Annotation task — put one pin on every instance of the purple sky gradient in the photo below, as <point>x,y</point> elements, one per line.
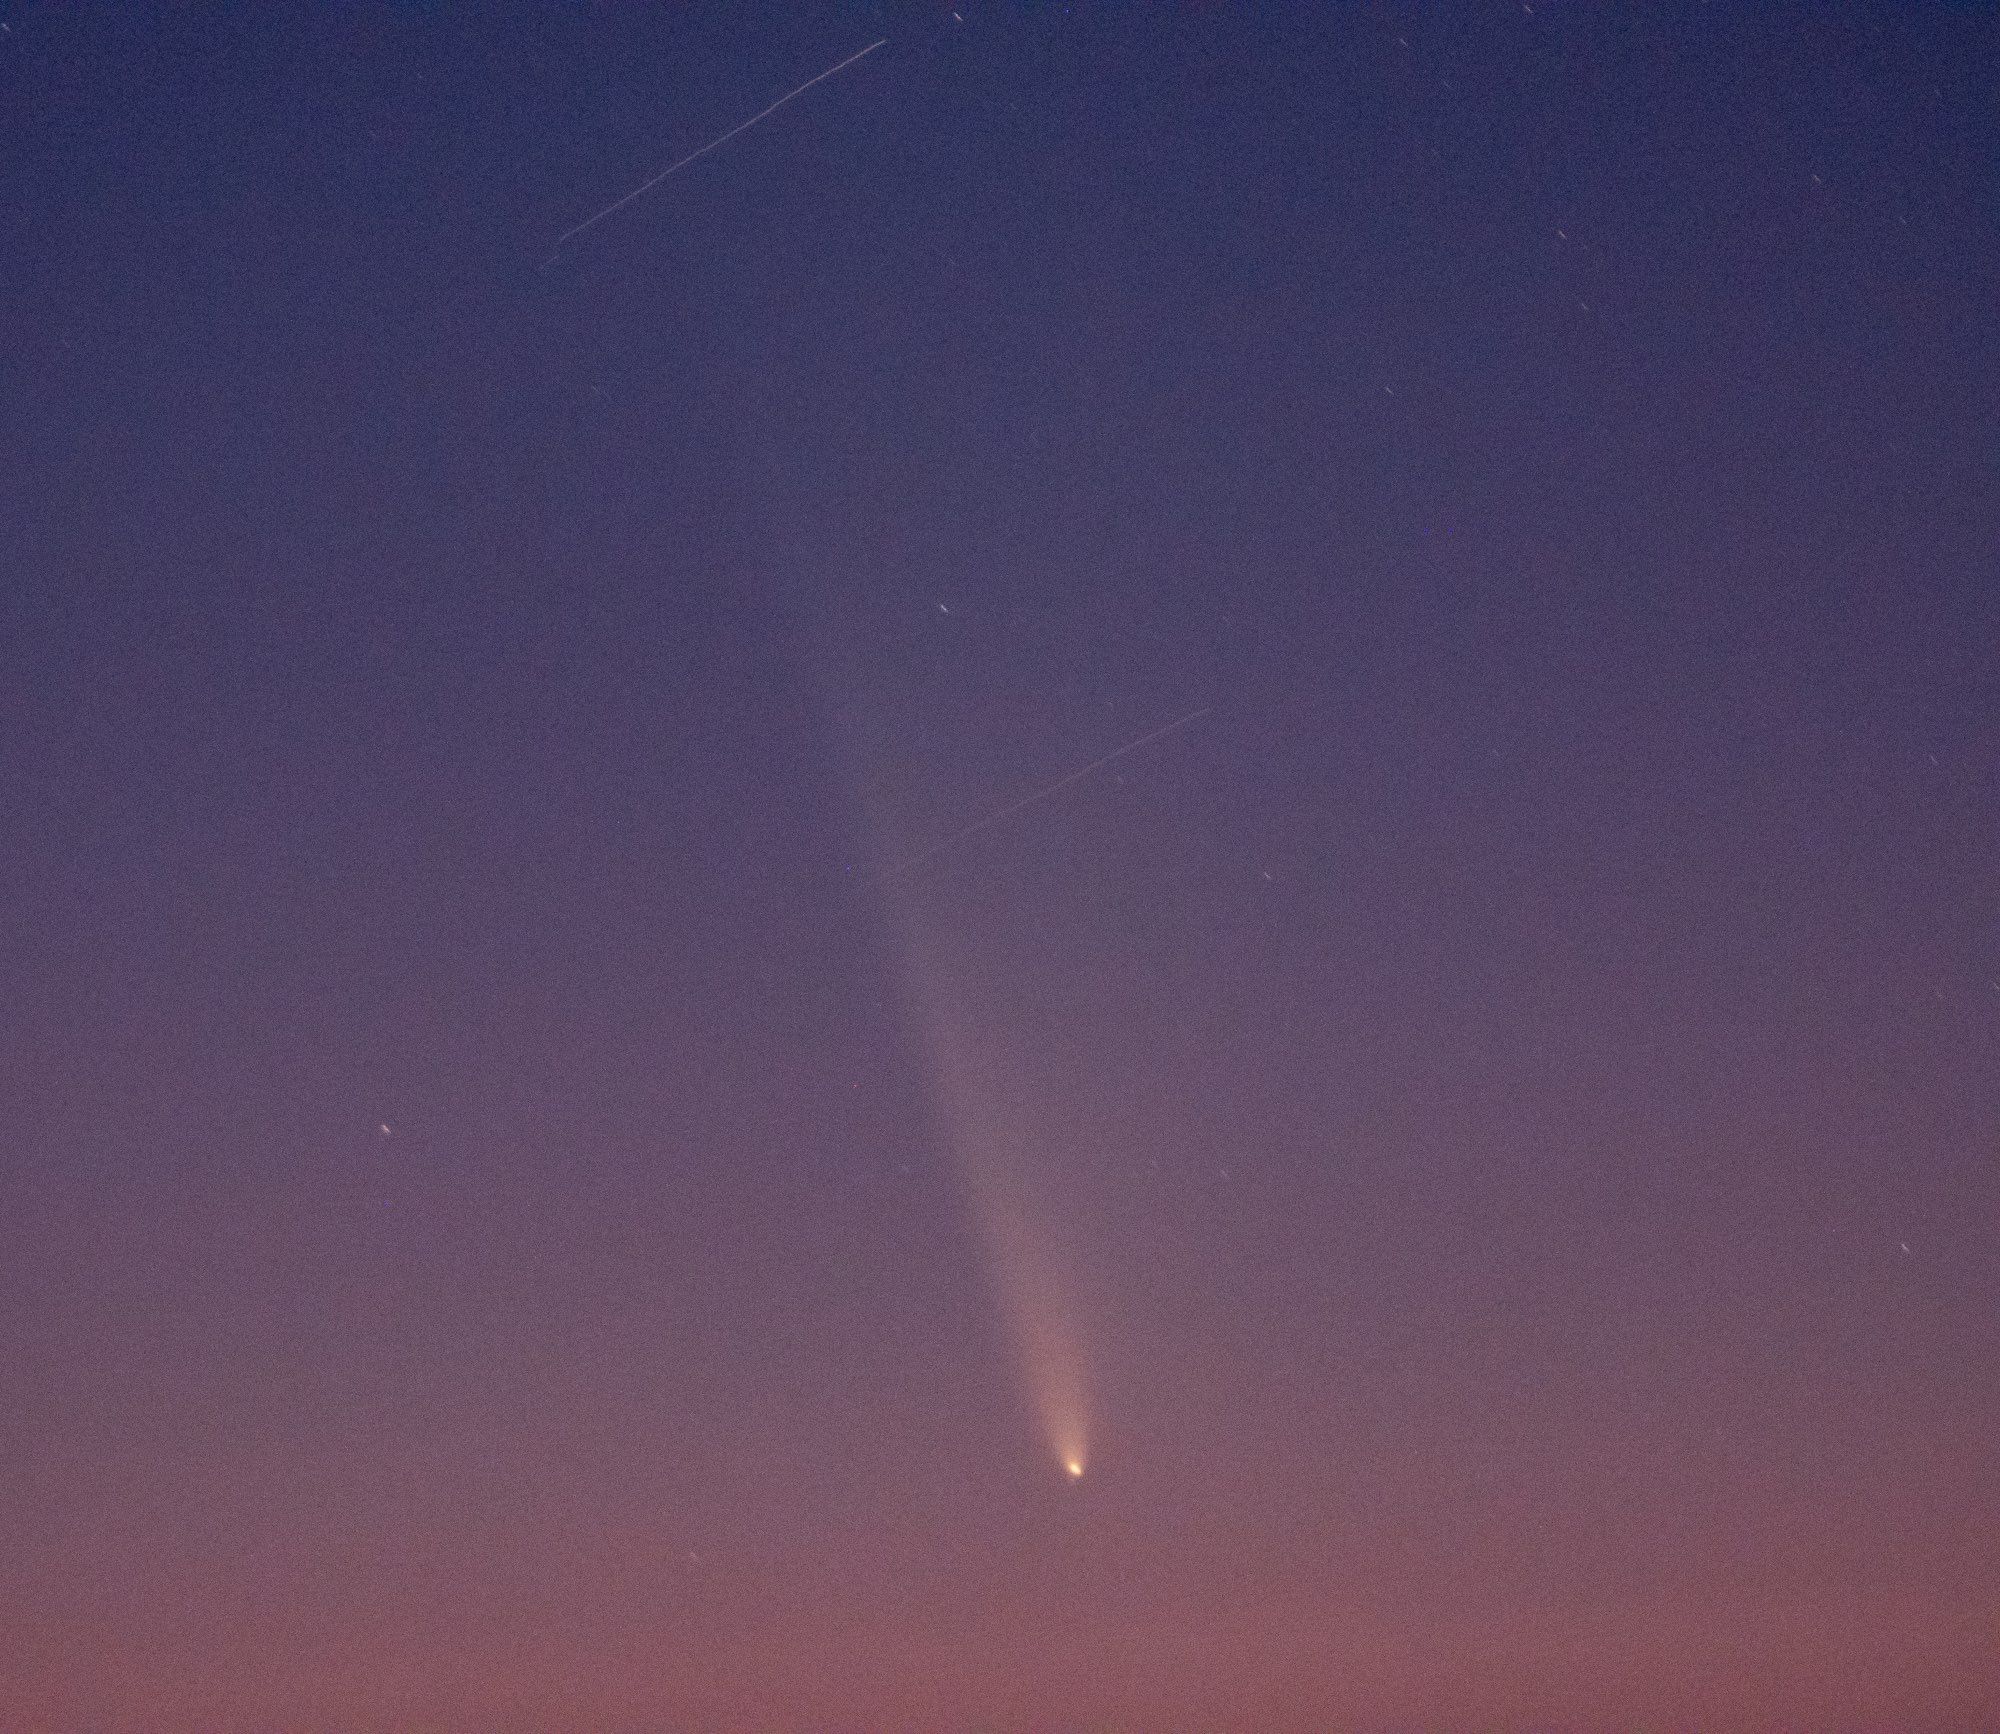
<point>1505,1105</point>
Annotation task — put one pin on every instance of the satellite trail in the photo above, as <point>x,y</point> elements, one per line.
<point>569,235</point>
<point>1043,794</point>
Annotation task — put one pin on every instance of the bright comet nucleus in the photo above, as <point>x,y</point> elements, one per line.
<point>1073,1467</point>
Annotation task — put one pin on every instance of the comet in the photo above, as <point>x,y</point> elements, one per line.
<point>1001,1141</point>
<point>1004,1131</point>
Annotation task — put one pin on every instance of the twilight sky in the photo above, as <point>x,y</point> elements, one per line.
<point>557,1178</point>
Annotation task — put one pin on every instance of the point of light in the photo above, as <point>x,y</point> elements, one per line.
<point>1073,1467</point>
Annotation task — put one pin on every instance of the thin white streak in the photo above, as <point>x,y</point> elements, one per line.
<point>1054,788</point>
<point>744,126</point>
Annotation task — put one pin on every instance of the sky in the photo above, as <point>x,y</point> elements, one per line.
<point>599,1131</point>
